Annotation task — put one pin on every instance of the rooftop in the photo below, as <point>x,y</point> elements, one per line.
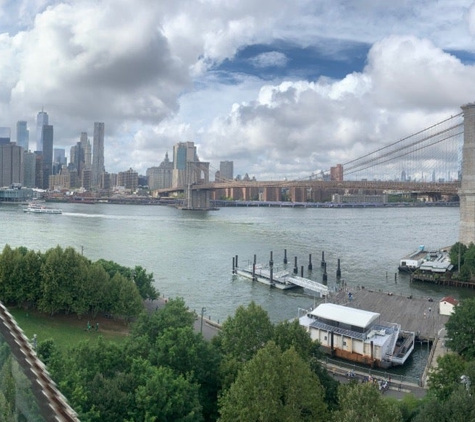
<point>344,314</point>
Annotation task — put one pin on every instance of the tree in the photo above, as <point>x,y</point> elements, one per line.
<point>363,402</point>
<point>461,329</point>
<point>456,251</point>
<point>142,279</point>
<point>126,300</point>
<point>240,339</point>
<point>459,407</point>
<point>167,397</point>
<point>144,283</point>
<point>274,386</point>
<point>289,334</point>
<point>175,314</point>
<point>189,354</point>
<point>446,376</point>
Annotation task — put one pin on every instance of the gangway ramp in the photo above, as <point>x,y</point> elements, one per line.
<point>309,284</point>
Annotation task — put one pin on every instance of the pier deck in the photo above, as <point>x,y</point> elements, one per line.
<point>412,313</point>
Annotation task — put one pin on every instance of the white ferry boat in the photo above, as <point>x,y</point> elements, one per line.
<point>41,209</point>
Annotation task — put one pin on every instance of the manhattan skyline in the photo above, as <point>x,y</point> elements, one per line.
<point>281,89</point>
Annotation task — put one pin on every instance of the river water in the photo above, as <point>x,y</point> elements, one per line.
<point>190,252</point>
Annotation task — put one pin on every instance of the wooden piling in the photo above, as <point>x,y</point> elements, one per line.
<point>296,268</point>
<point>310,267</point>
<point>325,275</point>
<point>234,270</point>
<point>285,256</point>
<point>338,270</point>
<point>301,271</point>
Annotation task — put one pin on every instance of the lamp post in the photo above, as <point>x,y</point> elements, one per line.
<point>203,310</point>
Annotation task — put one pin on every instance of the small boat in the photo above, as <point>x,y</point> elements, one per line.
<point>41,209</point>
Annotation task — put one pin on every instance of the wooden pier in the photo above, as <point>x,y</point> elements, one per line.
<point>420,315</point>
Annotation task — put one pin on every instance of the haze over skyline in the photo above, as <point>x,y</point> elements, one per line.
<point>281,88</point>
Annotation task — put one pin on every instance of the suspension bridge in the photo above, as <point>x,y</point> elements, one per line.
<point>427,163</point>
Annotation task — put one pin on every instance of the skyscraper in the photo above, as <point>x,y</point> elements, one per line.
<point>86,147</point>
<point>11,164</point>
<point>47,137</point>
<point>97,154</point>
<point>29,159</point>
<point>183,153</point>
<point>41,120</point>
<point>5,135</point>
<point>22,134</point>
<point>226,170</point>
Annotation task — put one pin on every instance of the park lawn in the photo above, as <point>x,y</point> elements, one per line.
<point>68,330</point>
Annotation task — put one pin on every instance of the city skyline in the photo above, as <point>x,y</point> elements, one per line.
<point>281,89</point>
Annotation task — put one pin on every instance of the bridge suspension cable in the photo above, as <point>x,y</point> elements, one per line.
<point>404,158</point>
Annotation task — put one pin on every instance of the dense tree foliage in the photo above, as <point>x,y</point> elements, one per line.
<point>142,279</point>
<point>274,386</point>
<point>62,280</point>
<point>458,407</point>
<point>363,402</point>
<point>461,329</point>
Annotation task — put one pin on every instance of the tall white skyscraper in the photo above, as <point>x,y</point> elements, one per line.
<point>22,134</point>
<point>97,154</point>
<point>86,146</point>
<point>41,120</point>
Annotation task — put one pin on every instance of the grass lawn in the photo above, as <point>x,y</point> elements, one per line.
<point>68,330</point>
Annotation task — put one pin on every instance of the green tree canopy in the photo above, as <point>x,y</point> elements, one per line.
<point>461,329</point>
<point>363,402</point>
<point>175,314</point>
<point>240,338</point>
<point>274,386</point>
<point>444,378</point>
<point>459,407</point>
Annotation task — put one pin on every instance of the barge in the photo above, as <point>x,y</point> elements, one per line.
<point>435,261</point>
<point>358,335</point>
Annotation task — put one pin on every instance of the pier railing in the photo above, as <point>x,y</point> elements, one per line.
<point>400,381</point>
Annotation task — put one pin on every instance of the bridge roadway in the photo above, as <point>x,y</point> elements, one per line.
<point>447,188</point>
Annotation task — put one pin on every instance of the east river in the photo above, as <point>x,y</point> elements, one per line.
<point>190,253</point>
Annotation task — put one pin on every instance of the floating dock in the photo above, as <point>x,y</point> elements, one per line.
<point>280,279</point>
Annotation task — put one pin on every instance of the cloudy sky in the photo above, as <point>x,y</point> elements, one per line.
<point>282,88</point>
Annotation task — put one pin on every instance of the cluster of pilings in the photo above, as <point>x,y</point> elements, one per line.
<point>323,265</point>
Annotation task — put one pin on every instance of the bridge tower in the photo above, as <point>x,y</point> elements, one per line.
<point>467,189</point>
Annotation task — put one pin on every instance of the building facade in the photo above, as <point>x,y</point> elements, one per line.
<point>97,154</point>
<point>29,160</point>
<point>47,137</point>
<point>22,134</point>
<point>336,173</point>
<point>160,177</point>
<point>128,179</point>
<point>226,170</point>
<point>41,120</point>
<point>11,165</point>
<point>5,135</point>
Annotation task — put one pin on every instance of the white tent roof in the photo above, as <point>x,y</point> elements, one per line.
<point>345,315</point>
